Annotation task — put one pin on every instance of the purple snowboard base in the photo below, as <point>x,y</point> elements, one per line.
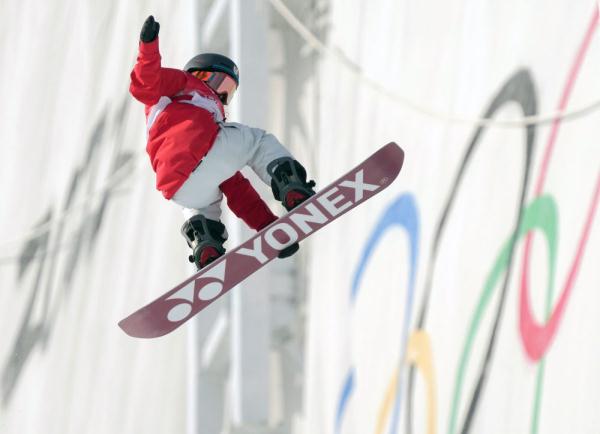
<point>178,305</point>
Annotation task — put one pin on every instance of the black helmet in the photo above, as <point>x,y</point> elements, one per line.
<point>213,62</point>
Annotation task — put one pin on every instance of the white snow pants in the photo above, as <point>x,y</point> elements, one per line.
<point>235,147</point>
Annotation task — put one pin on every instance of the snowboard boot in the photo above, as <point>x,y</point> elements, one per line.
<point>288,182</point>
<point>205,237</point>
<point>289,185</point>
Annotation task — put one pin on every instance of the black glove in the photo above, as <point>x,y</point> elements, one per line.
<point>149,30</point>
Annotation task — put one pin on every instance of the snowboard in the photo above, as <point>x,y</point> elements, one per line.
<point>181,303</point>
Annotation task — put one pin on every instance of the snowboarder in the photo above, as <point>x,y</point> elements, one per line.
<point>197,155</point>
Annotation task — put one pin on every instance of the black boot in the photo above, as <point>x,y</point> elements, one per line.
<point>205,237</point>
<point>289,185</point>
<point>288,182</point>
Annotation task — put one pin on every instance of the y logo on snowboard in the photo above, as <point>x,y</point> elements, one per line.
<point>205,288</point>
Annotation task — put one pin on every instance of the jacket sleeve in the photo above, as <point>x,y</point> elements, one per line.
<point>245,202</point>
<point>149,81</point>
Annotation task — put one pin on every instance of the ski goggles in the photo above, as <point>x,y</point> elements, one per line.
<point>220,82</point>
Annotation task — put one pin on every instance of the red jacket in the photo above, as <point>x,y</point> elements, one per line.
<point>182,115</point>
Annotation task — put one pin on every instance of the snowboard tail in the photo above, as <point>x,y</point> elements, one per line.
<point>178,305</point>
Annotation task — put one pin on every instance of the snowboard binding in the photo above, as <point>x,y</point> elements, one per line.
<point>289,185</point>
<point>288,182</point>
<point>205,237</point>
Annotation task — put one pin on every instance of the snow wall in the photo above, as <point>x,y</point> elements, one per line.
<point>90,238</point>
<point>426,317</point>
<point>465,297</point>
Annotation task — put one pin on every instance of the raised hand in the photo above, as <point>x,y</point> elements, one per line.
<point>149,30</point>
